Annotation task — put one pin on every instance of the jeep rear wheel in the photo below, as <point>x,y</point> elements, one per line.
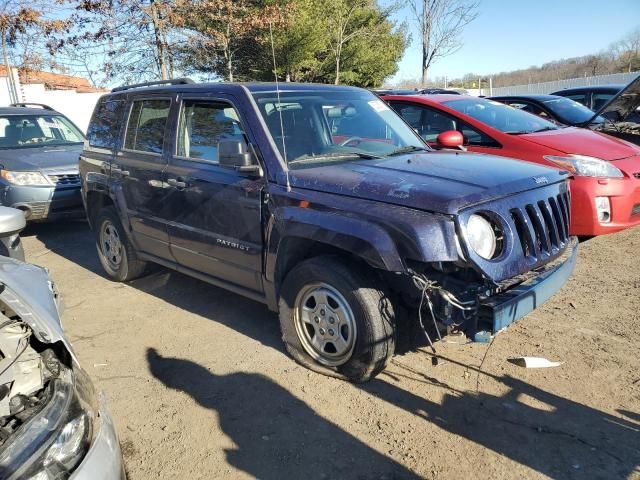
<point>117,256</point>
<point>336,319</point>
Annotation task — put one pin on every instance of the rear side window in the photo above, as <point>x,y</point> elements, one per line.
<point>202,125</point>
<point>104,128</point>
<point>145,129</point>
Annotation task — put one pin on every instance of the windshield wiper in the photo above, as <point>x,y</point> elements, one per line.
<point>334,156</point>
<point>524,132</point>
<point>409,149</point>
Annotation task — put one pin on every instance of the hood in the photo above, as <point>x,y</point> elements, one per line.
<point>442,182</point>
<point>29,291</point>
<point>620,107</point>
<point>41,158</point>
<point>581,141</point>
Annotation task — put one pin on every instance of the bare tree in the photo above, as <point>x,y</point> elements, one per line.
<point>440,23</point>
<point>24,27</point>
<point>119,40</point>
<point>627,51</point>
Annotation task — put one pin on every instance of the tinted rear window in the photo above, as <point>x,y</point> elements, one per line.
<point>105,125</point>
<point>145,131</point>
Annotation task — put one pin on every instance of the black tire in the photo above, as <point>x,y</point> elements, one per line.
<point>372,310</point>
<point>129,267</point>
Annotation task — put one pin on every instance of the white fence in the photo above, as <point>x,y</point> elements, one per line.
<point>548,87</point>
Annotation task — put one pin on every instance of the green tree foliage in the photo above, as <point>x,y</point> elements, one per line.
<point>327,41</point>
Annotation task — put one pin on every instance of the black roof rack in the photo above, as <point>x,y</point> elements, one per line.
<point>177,81</point>
<point>26,104</point>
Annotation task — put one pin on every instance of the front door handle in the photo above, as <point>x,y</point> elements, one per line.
<point>174,182</point>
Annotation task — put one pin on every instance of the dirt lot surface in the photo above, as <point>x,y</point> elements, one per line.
<point>200,387</point>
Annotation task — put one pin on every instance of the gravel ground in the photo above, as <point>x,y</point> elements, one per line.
<point>200,386</point>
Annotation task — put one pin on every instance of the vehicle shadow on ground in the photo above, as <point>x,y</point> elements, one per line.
<point>277,435</point>
<point>75,242</point>
<point>550,434</point>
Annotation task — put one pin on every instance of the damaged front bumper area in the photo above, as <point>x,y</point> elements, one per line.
<point>501,310</point>
<point>459,299</point>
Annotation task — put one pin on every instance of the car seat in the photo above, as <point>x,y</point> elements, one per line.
<point>298,129</point>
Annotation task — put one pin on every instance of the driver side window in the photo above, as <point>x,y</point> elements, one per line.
<point>202,125</point>
<point>429,123</point>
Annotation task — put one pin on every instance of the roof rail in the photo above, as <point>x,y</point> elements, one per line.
<point>176,81</point>
<point>26,104</point>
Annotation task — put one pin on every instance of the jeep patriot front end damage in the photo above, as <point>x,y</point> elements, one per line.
<point>322,203</point>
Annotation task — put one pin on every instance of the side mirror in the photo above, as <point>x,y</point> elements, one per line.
<point>450,139</point>
<point>233,154</point>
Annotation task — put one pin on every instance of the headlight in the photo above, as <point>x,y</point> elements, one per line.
<point>481,236</point>
<point>24,178</point>
<point>55,441</point>
<point>586,166</point>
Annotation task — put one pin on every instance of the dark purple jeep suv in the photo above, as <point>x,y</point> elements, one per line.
<point>322,203</point>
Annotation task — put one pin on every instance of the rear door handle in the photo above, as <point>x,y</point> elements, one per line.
<point>174,182</point>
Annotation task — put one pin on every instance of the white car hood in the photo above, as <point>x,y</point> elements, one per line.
<point>29,291</point>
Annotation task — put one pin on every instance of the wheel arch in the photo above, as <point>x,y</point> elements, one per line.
<point>96,200</point>
<point>299,235</point>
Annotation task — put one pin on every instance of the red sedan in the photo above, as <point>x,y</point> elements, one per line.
<point>606,185</point>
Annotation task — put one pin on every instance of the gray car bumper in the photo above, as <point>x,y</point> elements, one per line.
<point>104,459</point>
<point>44,203</point>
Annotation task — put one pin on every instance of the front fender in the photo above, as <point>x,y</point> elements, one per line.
<point>363,239</point>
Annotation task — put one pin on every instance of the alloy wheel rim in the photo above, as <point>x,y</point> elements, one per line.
<point>111,245</point>
<point>325,324</point>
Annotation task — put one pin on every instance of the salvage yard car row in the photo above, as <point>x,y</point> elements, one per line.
<point>323,204</point>
<point>605,187</point>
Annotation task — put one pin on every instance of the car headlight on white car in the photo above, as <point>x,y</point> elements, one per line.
<point>25,178</point>
<point>481,236</point>
<point>56,440</point>
<point>586,166</point>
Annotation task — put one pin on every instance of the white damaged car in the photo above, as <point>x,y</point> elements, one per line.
<point>52,423</point>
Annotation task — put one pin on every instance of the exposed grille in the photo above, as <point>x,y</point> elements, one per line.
<point>543,227</point>
<point>635,210</point>
<point>65,179</point>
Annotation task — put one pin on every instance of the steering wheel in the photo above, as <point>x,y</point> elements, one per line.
<point>349,140</point>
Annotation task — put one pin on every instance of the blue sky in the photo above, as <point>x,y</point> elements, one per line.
<point>513,34</point>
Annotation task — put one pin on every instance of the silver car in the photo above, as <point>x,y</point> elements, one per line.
<point>53,425</point>
<point>39,150</point>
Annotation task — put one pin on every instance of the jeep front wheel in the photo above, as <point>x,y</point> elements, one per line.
<point>117,256</point>
<point>336,319</point>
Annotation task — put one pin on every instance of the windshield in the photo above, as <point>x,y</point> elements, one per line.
<point>500,116</point>
<point>311,127</point>
<point>24,131</point>
<point>570,112</point>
